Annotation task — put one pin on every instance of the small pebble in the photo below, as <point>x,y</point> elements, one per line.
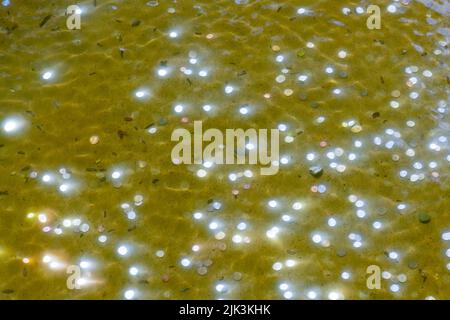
<point>237,276</point>
<point>94,139</point>
<point>316,171</point>
<point>412,264</point>
<point>341,253</point>
<point>165,277</point>
<point>424,218</point>
<point>276,48</point>
<point>202,271</point>
<point>395,93</point>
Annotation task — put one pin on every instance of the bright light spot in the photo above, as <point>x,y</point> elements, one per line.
<point>56,265</point>
<point>42,217</point>
<point>46,178</point>
<point>201,173</point>
<point>229,89</point>
<point>280,78</point>
<point>392,8</point>
<point>377,225</point>
<point>395,288</point>
<point>213,225</point>
<point>273,203</point>
<point>359,203</point>
<point>237,238</point>
<point>302,78</point>
<point>185,262</point>
<point>279,58</point>
<point>133,271</point>
<point>297,206</point>
<point>332,222</point>
<point>333,295</point>
<point>178,108</point>
<point>162,72</point>
<point>198,215</point>
<point>243,110</point>
<point>357,244</point>
<point>129,294</point>
<point>242,226</point>
<point>272,233</point>
<point>284,286</point>
<point>290,263</point>
<point>288,139</point>
<point>81,281</point>
<point>277,266</point>
<point>220,287</point>
<point>248,173</point>
<point>316,238</point>
<point>47,75</point>
<point>141,93</point>
<point>13,125</point>
<point>208,164</point>
<point>122,250</point>
<point>216,205</point>
<point>342,54</point>
<point>116,175</point>
<point>360,213</point>
<point>64,188</point>
<point>131,215</point>
<point>393,255</point>
<point>337,91</point>
<point>186,71</point>
<point>10,126</point>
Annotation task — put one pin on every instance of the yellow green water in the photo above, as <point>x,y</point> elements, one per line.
<point>95,74</point>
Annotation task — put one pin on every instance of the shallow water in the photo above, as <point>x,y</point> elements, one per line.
<point>81,143</point>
